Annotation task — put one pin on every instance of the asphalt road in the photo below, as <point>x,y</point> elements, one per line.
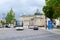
<point>27,34</point>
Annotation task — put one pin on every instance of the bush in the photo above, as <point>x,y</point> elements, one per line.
<point>58,26</point>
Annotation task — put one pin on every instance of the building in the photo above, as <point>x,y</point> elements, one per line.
<point>38,20</point>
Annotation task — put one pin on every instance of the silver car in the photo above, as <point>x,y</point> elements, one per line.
<point>30,27</point>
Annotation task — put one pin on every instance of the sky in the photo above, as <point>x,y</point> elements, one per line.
<point>20,7</point>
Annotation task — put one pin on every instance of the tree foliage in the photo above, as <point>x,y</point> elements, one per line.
<point>10,17</point>
<point>54,8</point>
<point>48,11</point>
<point>53,3</point>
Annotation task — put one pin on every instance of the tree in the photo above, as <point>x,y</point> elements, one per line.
<point>57,12</point>
<point>52,9</point>
<point>55,4</point>
<point>10,17</point>
<point>48,12</point>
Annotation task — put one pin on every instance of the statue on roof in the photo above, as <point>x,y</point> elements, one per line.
<point>37,12</point>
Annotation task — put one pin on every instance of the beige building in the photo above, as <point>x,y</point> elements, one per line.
<point>38,20</point>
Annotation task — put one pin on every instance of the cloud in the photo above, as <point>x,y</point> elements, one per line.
<point>21,6</point>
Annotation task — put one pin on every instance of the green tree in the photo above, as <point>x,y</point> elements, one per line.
<point>52,9</point>
<point>55,4</point>
<point>10,18</point>
<point>48,12</point>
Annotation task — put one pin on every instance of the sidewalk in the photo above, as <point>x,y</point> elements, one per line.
<point>56,31</point>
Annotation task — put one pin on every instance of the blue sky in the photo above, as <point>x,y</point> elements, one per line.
<point>21,7</point>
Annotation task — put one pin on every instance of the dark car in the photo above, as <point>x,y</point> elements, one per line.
<point>35,27</point>
<point>6,26</point>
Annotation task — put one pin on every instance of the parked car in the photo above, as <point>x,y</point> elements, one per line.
<point>6,26</point>
<point>30,27</point>
<point>19,25</point>
<point>35,27</point>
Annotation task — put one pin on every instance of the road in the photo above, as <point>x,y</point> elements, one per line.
<point>27,34</point>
